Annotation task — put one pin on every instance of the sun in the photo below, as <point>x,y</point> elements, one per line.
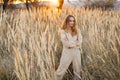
<point>54,1</point>
<point>17,2</point>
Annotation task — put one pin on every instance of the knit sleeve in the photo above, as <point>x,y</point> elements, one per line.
<point>79,40</point>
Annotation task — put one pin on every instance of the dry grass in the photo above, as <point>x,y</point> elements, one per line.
<point>30,46</point>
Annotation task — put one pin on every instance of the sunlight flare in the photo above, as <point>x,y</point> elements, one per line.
<point>18,2</point>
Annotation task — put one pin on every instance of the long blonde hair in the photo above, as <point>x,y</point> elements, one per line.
<point>65,25</point>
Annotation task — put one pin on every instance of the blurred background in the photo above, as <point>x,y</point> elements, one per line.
<point>114,4</point>
<point>30,46</point>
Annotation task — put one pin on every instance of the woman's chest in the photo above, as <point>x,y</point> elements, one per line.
<point>70,37</point>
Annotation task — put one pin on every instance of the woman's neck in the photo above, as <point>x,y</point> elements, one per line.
<point>69,28</point>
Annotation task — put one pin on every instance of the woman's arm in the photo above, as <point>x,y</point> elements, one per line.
<point>79,40</point>
<point>65,41</point>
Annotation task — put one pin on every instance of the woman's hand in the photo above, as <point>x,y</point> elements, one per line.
<point>72,44</point>
<point>77,43</point>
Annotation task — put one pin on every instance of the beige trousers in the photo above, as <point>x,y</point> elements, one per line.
<point>69,56</point>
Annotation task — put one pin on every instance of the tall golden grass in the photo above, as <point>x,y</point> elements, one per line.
<point>30,46</point>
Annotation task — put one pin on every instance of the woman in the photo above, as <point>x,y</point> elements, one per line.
<point>71,39</point>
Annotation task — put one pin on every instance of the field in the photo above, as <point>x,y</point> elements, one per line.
<point>30,46</point>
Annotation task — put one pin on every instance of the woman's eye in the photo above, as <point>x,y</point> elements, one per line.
<point>72,20</point>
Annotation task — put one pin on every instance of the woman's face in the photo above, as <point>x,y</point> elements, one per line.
<point>71,22</point>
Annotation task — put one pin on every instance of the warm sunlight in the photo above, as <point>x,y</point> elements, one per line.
<point>18,2</point>
<point>54,1</point>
